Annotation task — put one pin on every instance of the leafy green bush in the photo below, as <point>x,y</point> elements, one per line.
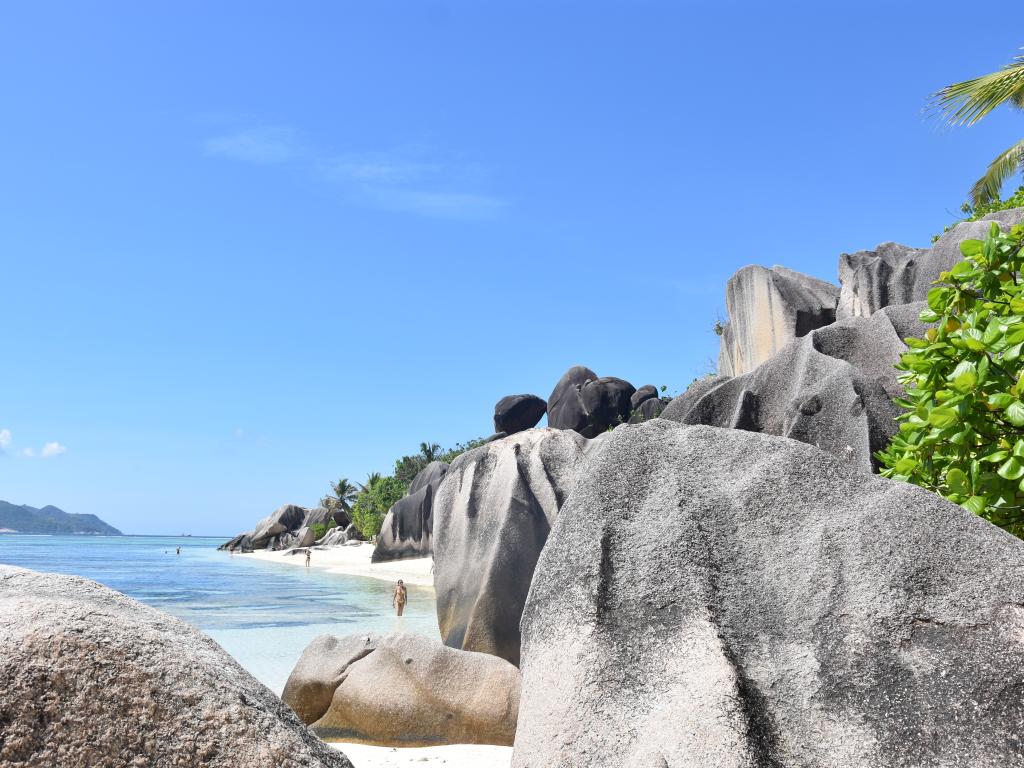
<point>975,212</point>
<point>962,435</point>
<point>373,503</point>
<point>320,529</point>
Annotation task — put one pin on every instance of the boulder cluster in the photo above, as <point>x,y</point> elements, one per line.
<point>291,527</point>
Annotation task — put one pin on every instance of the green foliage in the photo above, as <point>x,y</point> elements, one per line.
<point>962,433</point>
<point>320,529</point>
<point>460,448</point>
<point>374,501</point>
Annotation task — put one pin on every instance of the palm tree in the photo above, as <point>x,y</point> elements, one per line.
<point>968,102</point>
<point>371,480</point>
<point>429,451</point>
<point>344,493</point>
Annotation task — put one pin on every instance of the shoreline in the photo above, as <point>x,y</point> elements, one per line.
<point>354,560</point>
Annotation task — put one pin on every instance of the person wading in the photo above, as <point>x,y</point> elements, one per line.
<point>401,596</point>
<point>309,554</point>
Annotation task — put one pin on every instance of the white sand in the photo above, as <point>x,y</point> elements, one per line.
<point>455,756</point>
<point>354,560</point>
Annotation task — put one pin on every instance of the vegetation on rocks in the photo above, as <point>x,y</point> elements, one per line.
<point>962,432</point>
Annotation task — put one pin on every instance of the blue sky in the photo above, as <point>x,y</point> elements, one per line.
<point>246,248</point>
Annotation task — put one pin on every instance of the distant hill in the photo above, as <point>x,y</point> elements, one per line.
<point>25,519</point>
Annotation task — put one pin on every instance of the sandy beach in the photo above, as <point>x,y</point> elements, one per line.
<point>354,560</point>
<point>455,756</point>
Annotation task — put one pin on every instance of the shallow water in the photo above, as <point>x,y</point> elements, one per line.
<point>261,613</point>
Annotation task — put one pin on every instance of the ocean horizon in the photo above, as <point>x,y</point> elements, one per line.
<point>262,613</point>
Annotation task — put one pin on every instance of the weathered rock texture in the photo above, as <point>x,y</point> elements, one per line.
<point>646,392</point>
<point>587,404</point>
<point>92,679</point>
<point>767,309</point>
<point>407,530</point>
<point>565,407</point>
<point>833,388</point>
<point>515,413</point>
<point>896,274</point>
<point>492,515</point>
<point>711,597</point>
<point>403,690</point>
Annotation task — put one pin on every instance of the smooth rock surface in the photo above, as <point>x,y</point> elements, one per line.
<point>897,274</point>
<point>403,690</point>
<point>285,519</point>
<point>407,530</point>
<point>713,597</point>
<point>767,309</point>
<point>646,392</point>
<point>607,404</point>
<point>565,407</point>
<point>492,515</point>
<point>649,409</point>
<point>514,413</point>
<point>833,389</point>
<point>92,679</point>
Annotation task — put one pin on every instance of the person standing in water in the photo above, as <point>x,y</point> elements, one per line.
<point>179,551</point>
<point>401,596</point>
<point>309,554</point>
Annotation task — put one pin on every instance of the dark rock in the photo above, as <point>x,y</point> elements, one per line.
<point>646,392</point>
<point>833,388</point>
<point>241,541</point>
<point>317,516</point>
<point>285,519</point>
<point>649,409</point>
<point>491,519</point>
<point>606,401</point>
<point>515,413</point>
<point>403,690</point>
<point>768,308</point>
<point>89,677</point>
<point>407,529</point>
<point>353,534</point>
<point>714,597</point>
<point>565,408</point>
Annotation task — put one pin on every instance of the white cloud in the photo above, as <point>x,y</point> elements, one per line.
<point>27,453</point>
<point>53,449</point>
<point>262,146</point>
<point>5,439</point>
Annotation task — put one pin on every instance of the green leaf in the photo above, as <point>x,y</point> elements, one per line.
<point>975,504</point>
<point>946,417</point>
<point>937,298</point>
<point>974,339</point>
<point>1016,305</point>
<point>956,479</point>
<point>928,316</point>
<point>962,268</point>
<point>1015,413</point>
<point>1000,400</point>
<point>1013,469</point>
<point>964,377</point>
<point>970,248</point>
<point>905,466</point>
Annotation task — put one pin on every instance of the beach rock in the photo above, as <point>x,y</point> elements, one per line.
<point>317,516</point>
<point>713,597</point>
<point>288,518</point>
<point>515,413</point>
<point>649,409</point>
<point>403,690</point>
<point>897,274</point>
<point>241,541</point>
<point>565,408</point>
<point>607,403</point>
<point>91,678</point>
<point>305,537</point>
<point>492,515</point>
<point>767,309</point>
<point>408,526</point>
<point>832,388</point>
<point>646,392</point>
<point>352,534</point>
<point>334,537</point>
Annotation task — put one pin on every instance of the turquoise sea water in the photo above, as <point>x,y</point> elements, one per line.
<point>261,613</point>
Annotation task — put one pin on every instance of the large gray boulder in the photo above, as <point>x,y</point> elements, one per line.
<point>832,388</point>
<point>767,309</point>
<point>285,519</point>
<point>492,515</point>
<point>89,677</point>
<point>896,274</point>
<point>712,597</point>
<point>407,529</point>
<point>403,690</point>
<point>514,413</point>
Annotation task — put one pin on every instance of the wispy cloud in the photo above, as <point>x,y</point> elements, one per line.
<point>53,449</point>
<point>417,180</point>
<point>262,146</point>
<point>5,440</point>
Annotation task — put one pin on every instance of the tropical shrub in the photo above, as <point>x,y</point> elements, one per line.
<point>962,432</point>
<point>373,503</point>
<point>320,529</point>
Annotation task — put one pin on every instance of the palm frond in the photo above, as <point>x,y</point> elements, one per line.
<point>988,187</point>
<point>968,102</point>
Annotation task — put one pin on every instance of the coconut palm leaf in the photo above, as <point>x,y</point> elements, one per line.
<point>968,102</point>
<point>988,187</point>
